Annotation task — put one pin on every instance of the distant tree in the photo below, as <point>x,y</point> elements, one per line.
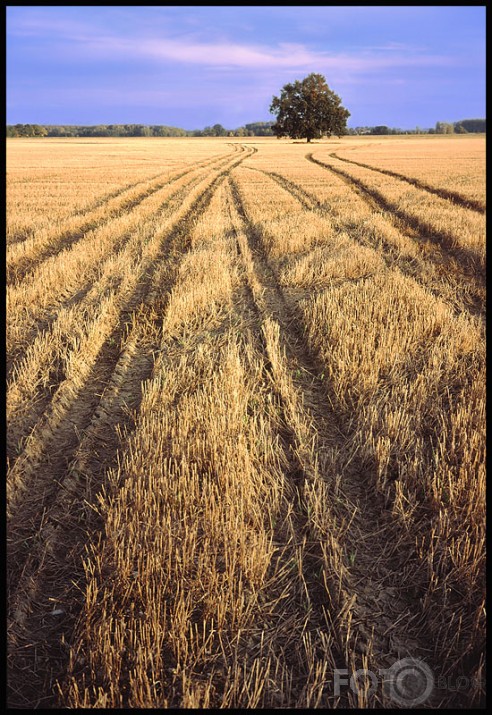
<point>380,129</point>
<point>260,129</point>
<point>444,128</point>
<point>308,109</point>
<point>101,130</point>
<point>216,131</point>
<point>26,130</point>
<point>471,125</point>
<point>56,131</point>
<point>141,130</point>
<point>219,131</point>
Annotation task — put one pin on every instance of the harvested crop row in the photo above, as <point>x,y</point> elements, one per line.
<point>453,228</point>
<point>95,365</point>
<point>51,180</point>
<point>134,285</point>
<point>402,368</point>
<point>246,442</point>
<point>452,166</point>
<point>210,485</point>
<point>66,278</point>
<point>456,198</point>
<point>347,521</point>
<point>254,646</point>
<point>397,245</point>
<point>26,256</point>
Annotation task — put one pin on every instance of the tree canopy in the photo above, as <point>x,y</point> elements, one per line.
<point>308,109</point>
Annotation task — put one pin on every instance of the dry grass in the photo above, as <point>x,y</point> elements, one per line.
<point>246,410</point>
<point>453,164</point>
<point>451,225</point>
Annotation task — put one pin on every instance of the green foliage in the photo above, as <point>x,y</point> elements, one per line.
<point>136,130</point>
<point>444,128</point>
<point>470,125</point>
<point>260,129</point>
<point>26,130</point>
<point>219,130</point>
<point>475,126</point>
<point>216,131</point>
<point>314,128</point>
<point>308,109</point>
<point>99,130</point>
<point>381,129</point>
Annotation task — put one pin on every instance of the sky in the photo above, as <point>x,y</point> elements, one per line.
<point>195,66</point>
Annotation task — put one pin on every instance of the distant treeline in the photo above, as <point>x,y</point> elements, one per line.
<point>464,126</point>
<point>255,129</point>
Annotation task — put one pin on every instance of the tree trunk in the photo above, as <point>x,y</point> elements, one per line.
<point>308,138</point>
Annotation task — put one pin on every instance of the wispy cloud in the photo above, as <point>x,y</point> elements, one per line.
<point>286,55</point>
<point>199,64</point>
<point>77,39</point>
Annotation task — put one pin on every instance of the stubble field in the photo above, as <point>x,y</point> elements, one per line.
<point>246,422</point>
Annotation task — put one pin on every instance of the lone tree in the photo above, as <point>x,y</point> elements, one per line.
<point>308,109</point>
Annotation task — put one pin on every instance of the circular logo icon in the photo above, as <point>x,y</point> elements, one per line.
<point>409,682</point>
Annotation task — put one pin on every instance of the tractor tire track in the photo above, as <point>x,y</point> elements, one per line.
<point>18,269</point>
<point>87,211</point>
<point>456,258</point>
<point>471,299</point>
<point>368,597</point>
<point>68,469</point>
<point>114,194</point>
<point>39,323</point>
<point>258,299</point>
<point>453,196</point>
<point>124,307</point>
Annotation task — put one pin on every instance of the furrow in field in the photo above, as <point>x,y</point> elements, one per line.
<point>309,201</point>
<point>104,199</point>
<point>33,254</point>
<point>470,262</point>
<point>28,255</point>
<point>361,548</point>
<point>51,570</point>
<point>211,408</point>
<point>86,213</point>
<point>461,296</point>
<point>442,193</point>
<point>302,448</point>
<point>109,317</point>
<point>75,449</point>
<point>65,280</point>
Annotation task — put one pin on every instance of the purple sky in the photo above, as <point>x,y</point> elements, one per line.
<point>196,66</point>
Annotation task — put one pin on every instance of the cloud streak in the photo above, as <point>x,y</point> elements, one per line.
<point>257,57</point>
<point>200,64</point>
<point>78,40</point>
